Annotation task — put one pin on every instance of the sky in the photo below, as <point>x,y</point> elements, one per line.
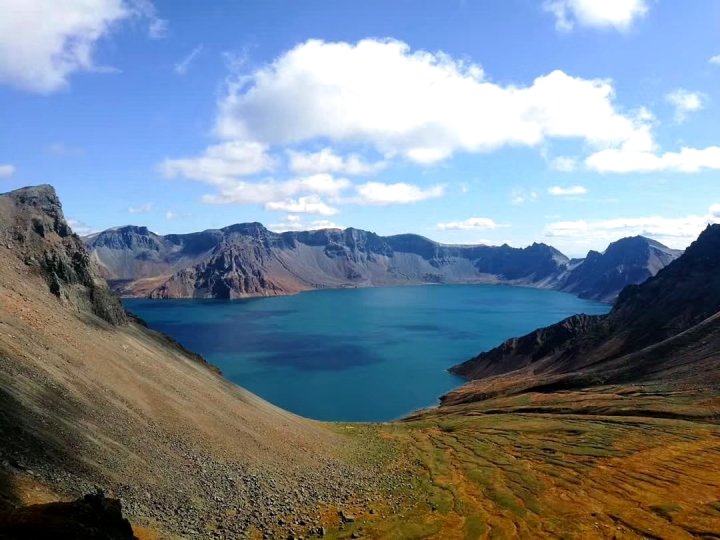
<point>569,122</point>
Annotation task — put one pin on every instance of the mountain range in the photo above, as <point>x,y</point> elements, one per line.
<point>249,260</point>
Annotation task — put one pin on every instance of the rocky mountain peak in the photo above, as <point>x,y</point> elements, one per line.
<point>34,229</point>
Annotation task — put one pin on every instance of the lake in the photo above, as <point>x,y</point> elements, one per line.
<point>372,354</point>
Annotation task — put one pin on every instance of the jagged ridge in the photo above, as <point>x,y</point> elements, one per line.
<point>249,260</point>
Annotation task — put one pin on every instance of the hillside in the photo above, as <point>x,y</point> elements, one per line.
<point>90,398</point>
<point>249,260</point>
<point>665,329</point>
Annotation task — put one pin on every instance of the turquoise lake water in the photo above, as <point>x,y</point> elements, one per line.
<point>356,354</point>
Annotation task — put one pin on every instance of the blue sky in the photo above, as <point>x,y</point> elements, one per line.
<point>570,122</point>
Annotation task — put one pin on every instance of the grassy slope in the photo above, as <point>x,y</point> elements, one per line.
<point>481,473</point>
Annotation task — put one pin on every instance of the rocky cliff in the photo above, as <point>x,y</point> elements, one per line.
<point>32,226</point>
<point>249,260</point>
<point>665,329</point>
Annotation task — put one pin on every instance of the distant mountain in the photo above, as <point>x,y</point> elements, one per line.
<point>601,276</point>
<point>667,329</point>
<point>249,260</point>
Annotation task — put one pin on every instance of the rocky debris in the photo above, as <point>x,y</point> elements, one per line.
<point>93,517</point>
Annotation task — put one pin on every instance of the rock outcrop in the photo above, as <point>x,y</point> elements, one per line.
<point>32,225</point>
<point>93,517</point>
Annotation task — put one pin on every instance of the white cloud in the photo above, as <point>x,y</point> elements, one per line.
<point>80,228</point>
<point>470,224</point>
<point>172,216</point>
<point>560,191</point>
<point>267,191</point>
<point>715,60</point>
<point>42,43</point>
<point>221,163</point>
<point>327,161</point>
<point>520,196</point>
<point>182,67</point>
<point>618,14</point>
<point>420,105</point>
<point>685,102</point>
<point>142,209</point>
<point>564,164</point>
<point>380,194</point>
<point>295,223</point>
<point>687,160</point>
<point>6,170</point>
<point>157,27</point>
<point>311,204</point>
<point>674,232</point>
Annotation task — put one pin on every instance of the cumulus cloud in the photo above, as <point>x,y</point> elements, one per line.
<point>295,223</point>
<point>327,161</point>
<point>311,204</point>
<point>142,209</point>
<point>676,232</point>
<point>380,194</point>
<point>420,105</point>
<point>687,160</point>
<point>685,102</point>
<point>42,43</point>
<point>182,67</point>
<point>266,191</point>
<point>221,163</point>
<point>470,224</point>
<point>617,14</point>
<point>6,170</point>
<point>560,191</point>
<point>715,60</point>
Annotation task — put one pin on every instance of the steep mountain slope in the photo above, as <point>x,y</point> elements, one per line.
<point>89,397</point>
<point>667,325</point>
<point>601,276</point>
<point>249,260</point>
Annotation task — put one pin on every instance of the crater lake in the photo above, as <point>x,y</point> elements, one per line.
<point>367,354</point>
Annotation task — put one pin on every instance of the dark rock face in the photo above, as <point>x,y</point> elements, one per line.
<point>32,226</point>
<point>601,276</point>
<point>93,517</point>
<point>670,320</point>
